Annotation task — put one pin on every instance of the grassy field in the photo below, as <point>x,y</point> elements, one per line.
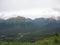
<point>54,40</point>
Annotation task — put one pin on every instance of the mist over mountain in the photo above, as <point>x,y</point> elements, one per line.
<point>29,22</point>
<point>31,13</point>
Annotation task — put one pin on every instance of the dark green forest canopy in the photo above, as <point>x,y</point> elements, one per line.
<point>26,29</point>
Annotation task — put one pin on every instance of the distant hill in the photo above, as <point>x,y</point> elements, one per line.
<point>26,29</point>
<point>1,20</point>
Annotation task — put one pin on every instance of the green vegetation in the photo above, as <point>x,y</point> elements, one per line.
<point>22,31</point>
<point>46,41</point>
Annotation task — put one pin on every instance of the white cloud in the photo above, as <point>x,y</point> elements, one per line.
<point>28,8</point>
<point>31,13</point>
<point>10,5</point>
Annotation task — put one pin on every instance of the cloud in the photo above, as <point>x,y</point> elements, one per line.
<point>28,8</point>
<point>14,5</point>
<point>31,13</point>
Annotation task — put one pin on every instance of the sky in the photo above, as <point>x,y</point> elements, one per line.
<point>29,8</point>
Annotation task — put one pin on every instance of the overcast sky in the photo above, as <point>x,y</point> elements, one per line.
<point>28,8</point>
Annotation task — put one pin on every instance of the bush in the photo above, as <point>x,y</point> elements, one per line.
<point>56,40</point>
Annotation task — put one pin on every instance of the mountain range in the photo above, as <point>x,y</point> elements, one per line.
<point>26,29</point>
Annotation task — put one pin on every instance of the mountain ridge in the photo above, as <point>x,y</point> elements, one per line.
<point>30,29</point>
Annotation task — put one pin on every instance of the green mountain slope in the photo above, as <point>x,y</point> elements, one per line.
<point>25,30</point>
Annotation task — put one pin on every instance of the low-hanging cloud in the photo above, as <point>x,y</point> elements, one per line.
<point>28,8</point>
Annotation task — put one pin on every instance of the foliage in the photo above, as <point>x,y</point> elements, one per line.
<point>27,30</point>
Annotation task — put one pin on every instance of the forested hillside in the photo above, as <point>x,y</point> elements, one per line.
<point>27,30</point>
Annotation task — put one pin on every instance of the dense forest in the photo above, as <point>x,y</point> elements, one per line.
<point>21,29</point>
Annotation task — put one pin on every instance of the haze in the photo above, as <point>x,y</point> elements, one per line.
<point>29,8</point>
